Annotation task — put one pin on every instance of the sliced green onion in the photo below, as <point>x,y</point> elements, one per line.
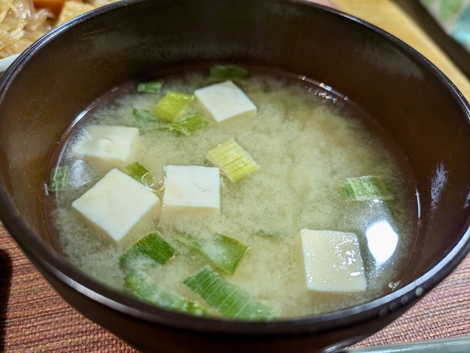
<point>366,188</point>
<point>150,86</point>
<point>141,285</point>
<point>141,174</point>
<point>227,72</point>
<point>232,160</point>
<point>172,105</point>
<point>229,300</point>
<point>144,118</point>
<point>152,246</point>
<point>137,171</point>
<point>223,252</point>
<point>187,126</point>
<point>58,179</point>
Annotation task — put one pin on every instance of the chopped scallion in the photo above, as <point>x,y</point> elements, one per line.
<point>137,171</point>
<point>223,252</point>
<point>227,72</point>
<point>172,105</point>
<point>144,118</point>
<point>186,126</point>
<point>141,174</point>
<point>366,188</point>
<point>150,86</point>
<point>141,285</point>
<point>148,121</point>
<point>58,179</point>
<point>232,160</point>
<point>152,246</point>
<point>229,300</point>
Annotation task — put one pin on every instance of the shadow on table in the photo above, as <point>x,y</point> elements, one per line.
<point>5,283</point>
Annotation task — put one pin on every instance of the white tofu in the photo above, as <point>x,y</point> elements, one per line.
<point>118,206</point>
<point>191,190</point>
<point>332,261</point>
<point>223,101</point>
<point>107,147</point>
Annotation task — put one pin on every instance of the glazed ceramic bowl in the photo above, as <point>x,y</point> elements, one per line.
<point>50,84</point>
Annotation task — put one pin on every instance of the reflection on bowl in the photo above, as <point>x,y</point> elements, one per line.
<point>382,241</point>
<point>410,99</point>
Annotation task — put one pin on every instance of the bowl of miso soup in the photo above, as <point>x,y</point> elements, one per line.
<point>234,176</point>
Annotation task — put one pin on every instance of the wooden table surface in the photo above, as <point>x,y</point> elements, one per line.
<point>33,318</point>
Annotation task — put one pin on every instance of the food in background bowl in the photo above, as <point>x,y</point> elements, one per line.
<point>266,198</point>
<point>22,22</point>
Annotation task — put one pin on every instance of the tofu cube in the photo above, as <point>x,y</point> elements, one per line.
<point>191,190</point>
<point>223,101</point>
<point>107,147</point>
<point>332,261</point>
<point>118,206</point>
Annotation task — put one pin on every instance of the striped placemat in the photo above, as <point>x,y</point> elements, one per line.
<point>34,318</point>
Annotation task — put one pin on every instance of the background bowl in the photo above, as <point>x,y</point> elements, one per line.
<point>50,84</point>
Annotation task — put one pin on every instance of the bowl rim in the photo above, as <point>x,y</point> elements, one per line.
<point>40,253</point>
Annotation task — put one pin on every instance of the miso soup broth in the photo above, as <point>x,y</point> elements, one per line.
<point>306,140</point>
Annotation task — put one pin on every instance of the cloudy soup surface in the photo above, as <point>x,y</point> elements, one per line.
<point>307,142</point>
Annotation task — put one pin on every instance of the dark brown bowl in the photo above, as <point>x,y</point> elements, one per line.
<point>60,75</point>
